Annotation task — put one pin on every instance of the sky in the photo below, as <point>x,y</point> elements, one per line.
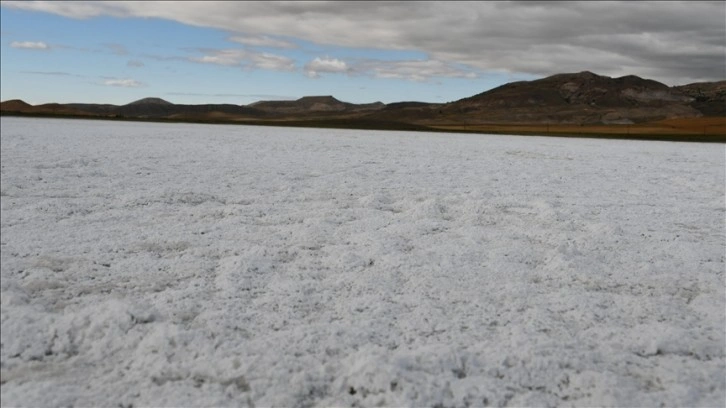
<point>358,52</point>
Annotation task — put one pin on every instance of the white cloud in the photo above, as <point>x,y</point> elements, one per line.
<point>535,38</point>
<point>262,41</point>
<point>246,59</point>
<point>415,70</point>
<point>126,83</point>
<point>326,65</point>
<point>30,45</point>
<point>221,58</point>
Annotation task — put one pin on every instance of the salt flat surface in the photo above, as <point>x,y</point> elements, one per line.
<point>197,265</point>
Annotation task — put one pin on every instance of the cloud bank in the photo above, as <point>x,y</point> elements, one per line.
<point>675,42</point>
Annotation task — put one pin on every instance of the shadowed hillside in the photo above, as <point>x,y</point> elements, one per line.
<point>708,97</point>
<point>314,104</point>
<point>551,105</point>
<point>583,98</point>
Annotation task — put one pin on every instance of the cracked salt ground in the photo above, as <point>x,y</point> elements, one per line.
<point>192,265</point>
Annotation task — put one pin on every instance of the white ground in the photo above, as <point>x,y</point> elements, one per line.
<point>174,264</point>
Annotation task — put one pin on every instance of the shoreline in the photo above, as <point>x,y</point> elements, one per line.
<point>598,131</point>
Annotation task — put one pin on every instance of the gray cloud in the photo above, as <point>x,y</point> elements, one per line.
<point>674,42</point>
<point>135,64</point>
<point>414,70</point>
<point>117,49</point>
<point>261,41</point>
<point>411,70</point>
<point>165,58</point>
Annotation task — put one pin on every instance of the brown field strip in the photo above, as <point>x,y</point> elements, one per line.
<point>705,129</point>
<point>714,126</point>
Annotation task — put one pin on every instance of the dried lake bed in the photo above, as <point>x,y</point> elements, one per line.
<point>199,265</point>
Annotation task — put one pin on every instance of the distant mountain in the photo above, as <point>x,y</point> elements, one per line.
<point>409,112</point>
<point>576,98</point>
<point>19,106</point>
<point>151,101</point>
<point>15,105</point>
<point>314,104</point>
<point>583,98</point>
<point>159,108</point>
<point>708,97</point>
<point>94,108</point>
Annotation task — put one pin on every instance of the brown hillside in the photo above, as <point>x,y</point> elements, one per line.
<point>56,109</point>
<point>15,105</point>
<point>581,103</point>
<point>581,98</point>
<point>708,97</point>
<point>314,104</point>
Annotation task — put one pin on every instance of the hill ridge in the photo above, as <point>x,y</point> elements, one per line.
<point>565,98</point>
<point>151,101</point>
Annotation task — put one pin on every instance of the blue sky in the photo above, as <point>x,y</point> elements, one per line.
<point>360,52</point>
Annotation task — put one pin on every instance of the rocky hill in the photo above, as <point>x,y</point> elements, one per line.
<point>576,99</point>
<point>582,98</point>
<point>708,97</point>
<point>314,104</point>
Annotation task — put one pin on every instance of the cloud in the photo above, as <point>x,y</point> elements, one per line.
<point>262,41</point>
<point>411,70</point>
<point>125,83</point>
<point>50,73</point>
<point>246,59</point>
<point>72,9</point>
<point>165,58</point>
<point>326,64</point>
<point>64,47</point>
<point>272,62</point>
<point>233,95</point>
<point>539,38</point>
<point>30,45</point>
<point>117,49</point>
<point>135,64</point>
<point>415,70</point>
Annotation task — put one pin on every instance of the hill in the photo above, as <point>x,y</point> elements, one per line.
<point>564,100</point>
<point>151,101</point>
<point>314,104</point>
<point>153,108</point>
<point>581,98</point>
<point>15,105</point>
<point>708,97</point>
